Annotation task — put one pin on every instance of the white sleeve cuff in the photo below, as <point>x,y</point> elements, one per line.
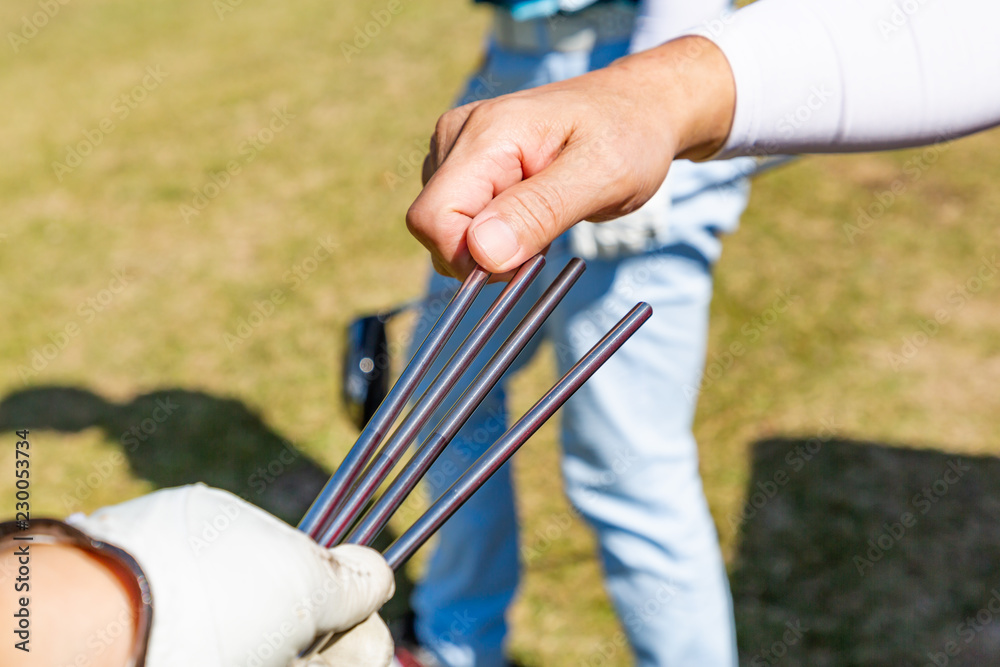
<point>858,75</point>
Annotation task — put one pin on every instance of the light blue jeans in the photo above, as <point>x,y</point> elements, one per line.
<point>630,462</point>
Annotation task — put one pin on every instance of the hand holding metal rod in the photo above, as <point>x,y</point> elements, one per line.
<point>342,500</point>
<point>449,426</point>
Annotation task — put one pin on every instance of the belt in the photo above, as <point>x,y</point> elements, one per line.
<point>577,31</point>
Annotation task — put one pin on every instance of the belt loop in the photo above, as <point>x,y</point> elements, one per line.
<point>542,37</point>
<point>564,32</point>
<point>502,33</point>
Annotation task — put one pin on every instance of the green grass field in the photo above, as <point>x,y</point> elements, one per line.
<point>198,194</point>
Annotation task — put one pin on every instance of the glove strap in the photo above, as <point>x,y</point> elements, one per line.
<point>53,531</point>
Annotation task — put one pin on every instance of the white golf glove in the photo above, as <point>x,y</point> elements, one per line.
<point>234,586</point>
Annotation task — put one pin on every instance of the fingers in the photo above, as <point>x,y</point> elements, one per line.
<point>449,127</point>
<point>459,190</point>
<point>505,176</point>
<point>359,582</point>
<point>368,644</point>
<point>522,220</point>
<point>440,226</point>
<point>471,162</point>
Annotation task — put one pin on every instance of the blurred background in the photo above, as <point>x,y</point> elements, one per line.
<point>198,195</point>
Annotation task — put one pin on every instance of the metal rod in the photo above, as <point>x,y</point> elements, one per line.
<point>346,475</point>
<point>517,435</point>
<point>376,518</point>
<point>348,511</point>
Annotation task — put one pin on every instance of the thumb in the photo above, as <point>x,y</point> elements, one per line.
<point>368,644</point>
<point>354,582</point>
<point>524,219</point>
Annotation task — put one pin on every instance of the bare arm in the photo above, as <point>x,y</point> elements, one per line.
<point>523,168</point>
<point>511,174</point>
<point>81,610</point>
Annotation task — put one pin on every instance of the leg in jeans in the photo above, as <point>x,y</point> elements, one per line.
<point>631,463</point>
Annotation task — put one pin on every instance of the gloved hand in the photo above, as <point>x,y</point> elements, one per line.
<point>233,585</point>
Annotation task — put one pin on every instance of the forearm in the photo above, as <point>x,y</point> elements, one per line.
<point>859,75</point>
<point>80,610</point>
<point>688,84</point>
<point>783,76</point>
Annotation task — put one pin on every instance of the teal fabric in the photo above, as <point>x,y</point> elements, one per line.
<point>525,10</point>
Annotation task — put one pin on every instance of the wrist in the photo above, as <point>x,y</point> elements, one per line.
<point>89,600</point>
<point>688,84</point>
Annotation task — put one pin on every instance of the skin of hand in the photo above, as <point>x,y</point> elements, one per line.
<point>504,177</point>
<point>82,609</point>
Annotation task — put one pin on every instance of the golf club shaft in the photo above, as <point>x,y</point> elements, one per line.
<point>347,473</point>
<point>346,512</point>
<point>517,435</point>
<point>375,520</point>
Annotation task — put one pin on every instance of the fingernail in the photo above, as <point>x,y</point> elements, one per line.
<point>496,239</point>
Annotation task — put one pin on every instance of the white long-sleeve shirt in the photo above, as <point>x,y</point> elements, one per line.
<point>658,21</point>
<point>820,76</point>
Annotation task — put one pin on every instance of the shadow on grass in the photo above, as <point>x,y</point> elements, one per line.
<point>175,436</point>
<point>862,554</point>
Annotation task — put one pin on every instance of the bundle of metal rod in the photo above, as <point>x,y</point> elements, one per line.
<point>451,423</point>
<point>339,485</point>
<point>347,513</point>
<point>342,501</point>
<point>505,447</point>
